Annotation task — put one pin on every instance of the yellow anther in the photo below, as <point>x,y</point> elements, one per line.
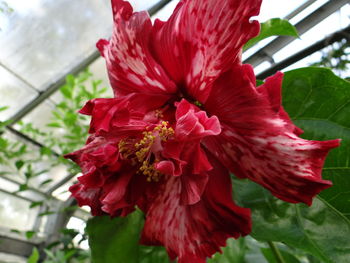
<point>139,152</point>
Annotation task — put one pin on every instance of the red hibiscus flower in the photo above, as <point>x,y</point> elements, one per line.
<point>186,113</point>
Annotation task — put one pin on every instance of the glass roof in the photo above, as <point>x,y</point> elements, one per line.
<point>42,40</point>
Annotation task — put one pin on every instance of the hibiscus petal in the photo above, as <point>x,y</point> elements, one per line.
<point>194,232</point>
<point>193,124</point>
<point>271,89</point>
<point>114,193</point>
<point>130,64</point>
<point>87,196</point>
<point>118,112</point>
<point>202,39</point>
<point>260,144</point>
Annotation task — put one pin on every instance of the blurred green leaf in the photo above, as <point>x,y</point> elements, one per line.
<point>35,204</point>
<point>34,257</point>
<point>70,80</point>
<point>4,108</point>
<point>46,213</point>
<point>273,27</point>
<point>19,164</point>
<point>67,91</point>
<point>15,231</point>
<point>30,234</point>
<point>22,187</point>
<point>54,125</point>
<point>46,182</point>
<point>45,151</point>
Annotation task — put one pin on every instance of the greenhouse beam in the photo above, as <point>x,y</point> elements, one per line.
<point>303,26</point>
<point>335,37</point>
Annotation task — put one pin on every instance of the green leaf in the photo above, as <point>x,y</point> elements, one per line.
<point>319,103</point>
<point>22,187</point>
<point>54,125</point>
<point>67,91</point>
<point>243,250</point>
<point>115,240</point>
<point>235,251</point>
<point>287,256</point>
<point>70,80</point>
<point>273,27</point>
<point>19,164</point>
<point>46,182</point>
<point>34,257</point>
<point>153,255</point>
<point>4,108</point>
<point>318,230</point>
<point>30,234</point>
<point>45,151</point>
<point>47,213</point>
<point>35,204</point>
<point>3,143</point>
<point>15,231</point>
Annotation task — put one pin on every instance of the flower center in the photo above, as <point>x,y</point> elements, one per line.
<point>146,152</point>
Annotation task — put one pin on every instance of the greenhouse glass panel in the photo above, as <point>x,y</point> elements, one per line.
<point>15,213</point>
<point>14,93</point>
<point>278,8</point>
<point>36,38</point>
<point>328,26</point>
<point>8,258</point>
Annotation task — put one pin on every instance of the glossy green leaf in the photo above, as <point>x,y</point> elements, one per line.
<point>235,251</point>
<point>117,240</point>
<point>318,102</point>
<point>153,255</point>
<point>273,27</point>
<point>243,250</point>
<point>319,230</point>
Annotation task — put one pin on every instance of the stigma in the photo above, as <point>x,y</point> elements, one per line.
<point>145,152</point>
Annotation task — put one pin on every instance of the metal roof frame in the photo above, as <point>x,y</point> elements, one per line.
<point>266,53</point>
<point>329,40</point>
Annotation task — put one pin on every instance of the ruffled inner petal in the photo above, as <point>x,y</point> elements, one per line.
<point>87,196</point>
<point>194,124</point>
<point>194,232</point>
<point>259,141</point>
<point>130,64</point>
<point>202,39</point>
<point>130,112</point>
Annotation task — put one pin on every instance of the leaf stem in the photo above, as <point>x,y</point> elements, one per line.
<point>276,252</point>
